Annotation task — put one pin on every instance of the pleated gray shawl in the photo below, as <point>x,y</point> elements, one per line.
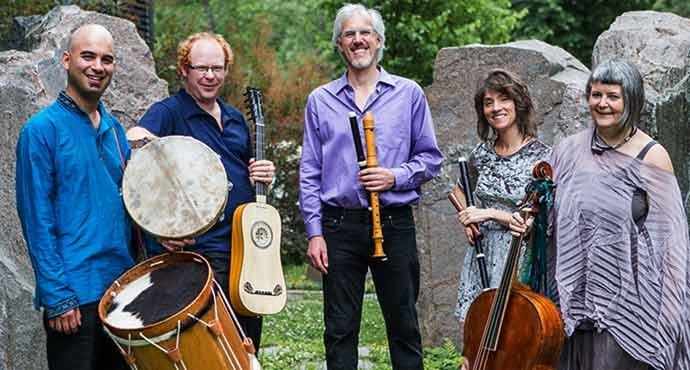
<point>633,282</point>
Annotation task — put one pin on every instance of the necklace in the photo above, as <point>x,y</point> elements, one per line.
<point>599,145</point>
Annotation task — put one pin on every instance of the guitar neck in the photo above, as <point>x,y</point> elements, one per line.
<point>260,187</point>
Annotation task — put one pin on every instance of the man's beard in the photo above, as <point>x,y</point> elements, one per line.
<point>86,94</point>
<point>360,65</point>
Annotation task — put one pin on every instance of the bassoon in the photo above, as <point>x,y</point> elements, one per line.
<point>370,161</point>
<point>464,190</point>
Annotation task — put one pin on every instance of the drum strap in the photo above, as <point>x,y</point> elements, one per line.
<point>173,354</point>
<point>215,328</point>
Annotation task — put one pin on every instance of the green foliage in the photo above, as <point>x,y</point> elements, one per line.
<point>11,9</point>
<point>679,7</point>
<point>15,8</point>
<point>445,357</point>
<point>416,31</point>
<point>296,278</point>
<point>573,25</point>
<point>289,39</point>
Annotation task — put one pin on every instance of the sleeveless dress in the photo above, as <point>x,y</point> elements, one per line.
<point>500,184</point>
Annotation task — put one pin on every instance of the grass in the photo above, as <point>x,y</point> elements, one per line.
<point>293,339</point>
<point>296,279</point>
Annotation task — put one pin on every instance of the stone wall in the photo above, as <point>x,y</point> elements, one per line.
<point>30,79</point>
<point>658,43</point>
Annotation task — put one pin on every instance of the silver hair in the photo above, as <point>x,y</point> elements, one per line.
<point>349,10</point>
<point>623,73</point>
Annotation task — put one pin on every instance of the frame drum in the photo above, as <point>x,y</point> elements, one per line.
<point>165,313</point>
<point>175,187</point>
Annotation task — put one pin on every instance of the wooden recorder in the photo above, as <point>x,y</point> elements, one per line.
<point>370,162</point>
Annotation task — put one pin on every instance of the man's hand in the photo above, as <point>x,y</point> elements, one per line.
<point>261,171</point>
<point>67,323</point>
<point>175,245</point>
<point>377,178</point>
<point>317,253</point>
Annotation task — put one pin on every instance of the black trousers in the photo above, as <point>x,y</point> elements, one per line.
<point>349,245</point>
<point>220,263</point>
<point>90,348</point>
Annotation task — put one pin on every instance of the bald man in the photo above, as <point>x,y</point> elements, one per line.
<point>70,161</point>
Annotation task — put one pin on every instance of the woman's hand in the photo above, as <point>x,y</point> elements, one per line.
<point>517,224</point>
<point>469,233</point>
<point>474,215</point>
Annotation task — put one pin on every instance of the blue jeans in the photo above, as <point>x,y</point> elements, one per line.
<point>349,245</point>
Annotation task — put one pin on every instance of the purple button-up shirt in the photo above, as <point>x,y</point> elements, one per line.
<point>405,143</point>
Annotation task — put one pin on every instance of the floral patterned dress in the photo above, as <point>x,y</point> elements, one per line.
<point>500,184</point>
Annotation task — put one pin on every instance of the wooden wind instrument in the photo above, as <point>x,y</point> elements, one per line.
<point>372,161</point>
<point>464,183</point>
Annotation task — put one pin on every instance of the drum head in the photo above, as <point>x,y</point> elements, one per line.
<point>175,187</point>
<point>158,294</point>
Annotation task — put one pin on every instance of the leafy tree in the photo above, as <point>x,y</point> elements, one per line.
<point>679,7</point>
<point>573,25</point>
<point>416,31</point>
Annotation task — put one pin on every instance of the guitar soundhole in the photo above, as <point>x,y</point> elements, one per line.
<point>262,236</point>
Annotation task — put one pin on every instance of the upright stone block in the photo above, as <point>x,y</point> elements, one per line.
<point>30,80</point>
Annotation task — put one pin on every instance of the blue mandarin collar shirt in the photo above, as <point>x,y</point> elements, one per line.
<point>68,181</point>
<point>181,115</point>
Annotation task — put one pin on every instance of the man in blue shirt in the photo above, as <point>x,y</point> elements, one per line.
<point>203,60</point>
<point>70,161</point>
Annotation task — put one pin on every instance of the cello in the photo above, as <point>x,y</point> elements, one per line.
<point>511,327</point>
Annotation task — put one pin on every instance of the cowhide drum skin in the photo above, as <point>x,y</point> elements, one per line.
<point>175,187</point>
<point>168,313</point>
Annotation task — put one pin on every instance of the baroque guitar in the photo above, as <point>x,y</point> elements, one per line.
<point>257,284</point>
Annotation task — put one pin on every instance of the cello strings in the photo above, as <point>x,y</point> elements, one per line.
<point>492,330</point>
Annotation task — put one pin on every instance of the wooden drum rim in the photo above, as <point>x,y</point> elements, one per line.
<point>137,179</point>
<point>170,323</point>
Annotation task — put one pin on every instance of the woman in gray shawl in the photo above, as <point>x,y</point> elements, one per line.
<point>622,265</point>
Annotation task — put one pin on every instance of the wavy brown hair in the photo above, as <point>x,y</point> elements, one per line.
<point>510,85</point>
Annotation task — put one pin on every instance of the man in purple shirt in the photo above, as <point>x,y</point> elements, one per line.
<point>334,198</point>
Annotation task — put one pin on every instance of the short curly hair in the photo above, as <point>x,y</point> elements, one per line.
<point>185,47</point>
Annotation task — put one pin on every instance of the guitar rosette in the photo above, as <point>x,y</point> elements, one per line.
<point>262,235</point>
